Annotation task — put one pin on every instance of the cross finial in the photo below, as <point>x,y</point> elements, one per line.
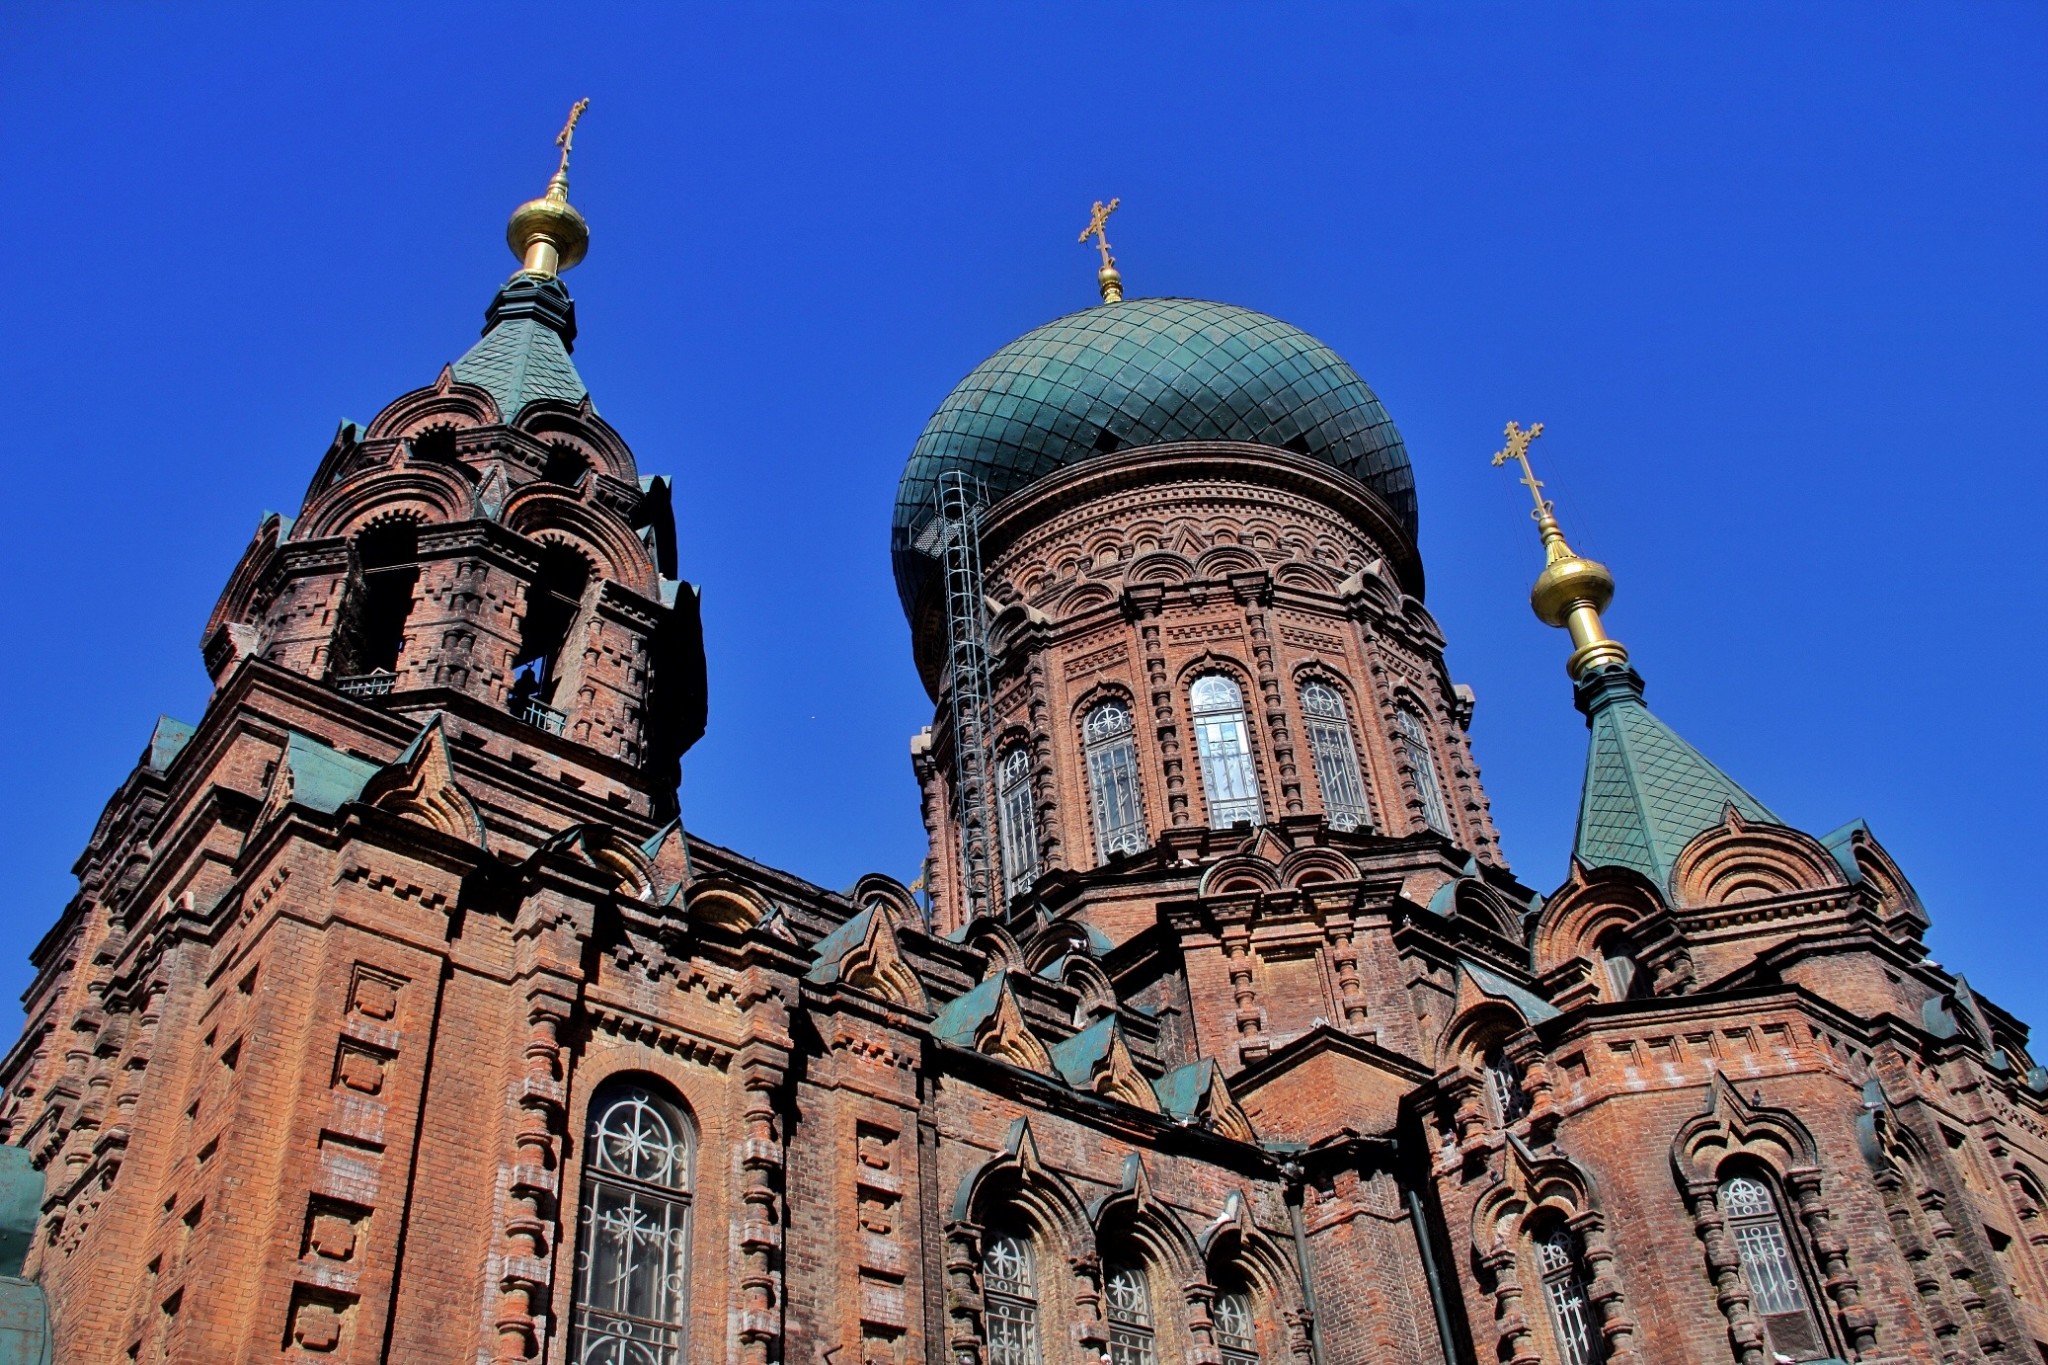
<point>1098,227</point>
<point>568,134</point>
<point>1518,449</point>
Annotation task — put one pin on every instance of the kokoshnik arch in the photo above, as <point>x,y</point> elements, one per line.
<point>397,1018</point>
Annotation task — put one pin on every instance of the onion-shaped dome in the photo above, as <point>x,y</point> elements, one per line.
<point>1139,373</point>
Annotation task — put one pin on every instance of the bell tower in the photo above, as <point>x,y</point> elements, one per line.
<point>487,547</point>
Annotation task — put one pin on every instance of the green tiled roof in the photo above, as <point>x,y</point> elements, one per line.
<point>1146,372</point>
<point>524,354</point>
<point>1648,793</point>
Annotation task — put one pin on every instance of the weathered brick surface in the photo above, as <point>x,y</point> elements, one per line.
<point>312,1059</point>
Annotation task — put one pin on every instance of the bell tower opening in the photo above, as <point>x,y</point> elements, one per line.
<point>552,601</point>
<point>387,556</point>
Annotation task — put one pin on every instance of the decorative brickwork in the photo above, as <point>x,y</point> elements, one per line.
<point>398,1019</point>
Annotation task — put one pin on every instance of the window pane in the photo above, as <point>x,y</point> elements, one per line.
<point>1564,1293</point>
<point>1337,771</point>
<point>1006,1277</point>
<point>1767,1265</point>
<point>1018,823</point>
<point>1415,749</point>
<point>1130,1317</point>
<point>1504,1079</point>
<point>1113,781</point>
<point>1222,738</point>
<point>1236,1329</point>
<point>632,1256</point>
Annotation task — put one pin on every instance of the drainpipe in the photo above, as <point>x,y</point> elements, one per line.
<point>1294,1175</point>
<point>1446,1335</point>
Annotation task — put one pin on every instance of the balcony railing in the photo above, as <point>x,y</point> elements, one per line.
<point>367,686</point>
<point>541,716</point>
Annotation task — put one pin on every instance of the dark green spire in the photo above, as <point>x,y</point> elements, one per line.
<point>529,330</point>
<point>1648,793</point>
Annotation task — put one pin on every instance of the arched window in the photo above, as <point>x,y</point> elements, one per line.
<point>1237,1326</point>
<point>1330,741</point>
<point>1016,821</point>
<point>1564,1293</point>
<point>633,1240</point>
<point>1769,1268</point>
<point>1413,738</point>
<point>1504,1084</point>
<point>1224,743</point>
<point>1112,750</point>
<point>1131,1338</point>
<point>1009,1288</point>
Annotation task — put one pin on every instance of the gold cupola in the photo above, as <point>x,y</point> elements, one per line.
<point>547,234</point>
<point>1572,591</point>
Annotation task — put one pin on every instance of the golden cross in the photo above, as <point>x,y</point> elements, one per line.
<point>568,133</point>
<point>1518,449</point>
<point>1098,228</point>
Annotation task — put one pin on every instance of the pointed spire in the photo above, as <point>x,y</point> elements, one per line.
<point>1647,792</point>
<point>1571,592</point>
<point>530,327</point>
<point>1111,283</point>
<point>547,234</point>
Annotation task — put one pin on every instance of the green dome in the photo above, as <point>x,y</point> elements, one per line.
<point>1139,373</point>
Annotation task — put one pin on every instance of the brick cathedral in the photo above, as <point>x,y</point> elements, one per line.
<point>397,1017</point>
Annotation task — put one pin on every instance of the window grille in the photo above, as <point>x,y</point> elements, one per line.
<point>1237,1331</point>
<point>1414,742</point>
<point>1111,745</point>
<point>1012,1302</point>
<point>1768,1267</point>
<point>1504,1084</point>
<point>1222,739</point>
<point>633,1251</point>
<point>1329,740</point>
<point>1017,821</point>
<point>1564,1291</point>
<point>1131,1339</point>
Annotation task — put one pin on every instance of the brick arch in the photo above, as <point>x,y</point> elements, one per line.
<point>1239,873</point>
<point>1223,560</point>
<point>1308,866</point>
<point>1056,941</point>
<point>243,600</point>
<point>880,888</point>
<point>1234,1243</point>
<point>1591,903</point>
<point>1475,1030</point>
<point>542,512</point>
<point>1471,900</point>
<point>1298,575</point>
<point>1534,1192</point>
<point>430,492</point>
<point>1162,566</point>
<point>1085,598</point>
<point>1733,1135</point>
<point>550,419</point>
<point>465,404</point>
<point>1739,861</point>
<point>1135,1215</point>
<point>726,903</point>
<point>997,945</point>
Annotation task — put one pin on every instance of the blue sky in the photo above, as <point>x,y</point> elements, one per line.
<point>1772,275</point>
